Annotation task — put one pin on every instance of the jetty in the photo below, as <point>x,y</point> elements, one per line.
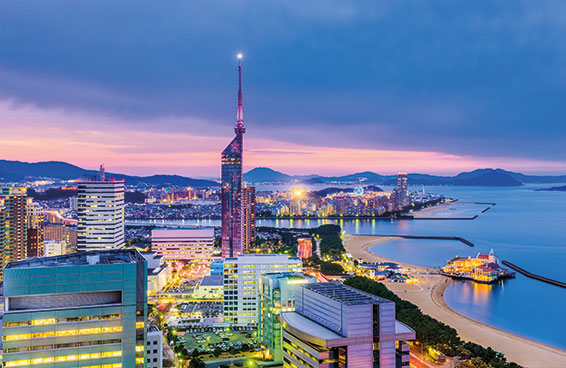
<point>458,238</point>
<point>533,276</point>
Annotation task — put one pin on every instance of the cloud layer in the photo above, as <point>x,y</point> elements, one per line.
<point>455,83</point>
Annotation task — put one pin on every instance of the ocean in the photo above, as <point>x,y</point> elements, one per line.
<point>525,227</point>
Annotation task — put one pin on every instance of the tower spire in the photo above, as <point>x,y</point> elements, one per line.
<point>240,128</point>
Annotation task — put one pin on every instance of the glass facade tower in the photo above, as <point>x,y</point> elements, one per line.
<point>232,242</point>
<point>86,309</point>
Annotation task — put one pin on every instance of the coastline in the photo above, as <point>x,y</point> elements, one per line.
<point>429,297</point>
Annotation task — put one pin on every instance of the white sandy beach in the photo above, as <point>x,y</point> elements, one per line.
<point>428,295</point>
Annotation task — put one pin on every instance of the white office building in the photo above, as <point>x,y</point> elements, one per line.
<point>241,279</point>
<point>101,214</point>
<point>188,245</point>
<point>154,347</point>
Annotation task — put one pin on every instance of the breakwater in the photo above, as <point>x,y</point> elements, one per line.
<point>533,276</point>
<point>458,238</point>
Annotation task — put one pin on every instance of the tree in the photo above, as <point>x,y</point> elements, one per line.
<point>196,363</point>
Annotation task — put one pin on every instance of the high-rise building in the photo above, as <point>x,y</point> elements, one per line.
<point>86,309</point>
<point>276,295</point>
<point>188,245</point>
<point>35,229</point>
<point>4,233</point>
<point>402,198</point>
<point>248,217</point>
<point>55,232</point>
<point>101,213</point>
<point>334,325</point>
<point>15,208</point>
<point>231,191</point>
<point>241,278</point>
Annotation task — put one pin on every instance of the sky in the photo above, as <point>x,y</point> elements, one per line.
<point>330,87</point>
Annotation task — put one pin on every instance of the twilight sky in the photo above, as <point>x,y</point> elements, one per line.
<point>330,87</point>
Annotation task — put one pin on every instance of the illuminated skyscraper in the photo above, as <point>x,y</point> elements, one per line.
<point>402,198</point>
<point>232,242</point>
<point>15,209</point>
<point>35,229</point>
<point>101,213</point>
<point>248,217</point>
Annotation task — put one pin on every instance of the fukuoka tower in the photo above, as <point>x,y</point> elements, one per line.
<point>232,244</point>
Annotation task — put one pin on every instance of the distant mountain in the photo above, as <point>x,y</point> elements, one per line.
<point>479,177</point>
<point>267,175</point>
<point>264,174</point>
<point>486,177</point>
<point>16,171</point>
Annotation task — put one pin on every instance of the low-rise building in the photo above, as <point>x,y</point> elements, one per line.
<point>187,245</point>
<point>210,287</point>
<point>54,248</point>
<point>304,249</point>
<point>154,352</point>
<point>158,272</point>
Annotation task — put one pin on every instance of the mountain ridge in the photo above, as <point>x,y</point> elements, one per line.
<point>18,170</point>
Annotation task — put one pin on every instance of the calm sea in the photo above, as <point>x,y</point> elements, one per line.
<point>525,227</point>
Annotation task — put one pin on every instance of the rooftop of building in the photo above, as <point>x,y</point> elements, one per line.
<point>212,280</point>
<point>81,258</point>
<point>345,294</point>
<point>260,257</point>
<point>182,233</point>
<point>288,275</point>
<point>152,328</point>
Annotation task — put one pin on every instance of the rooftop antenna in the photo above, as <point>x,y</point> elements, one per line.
<point>240,128</point>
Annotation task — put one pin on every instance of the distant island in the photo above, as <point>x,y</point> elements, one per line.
<point>553,189</point>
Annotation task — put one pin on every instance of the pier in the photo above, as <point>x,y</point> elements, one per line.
<point>458,238</point>
<point>533,276</point>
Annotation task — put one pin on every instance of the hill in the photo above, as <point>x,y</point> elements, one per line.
<point>17,171</point>
<point>479,177</point>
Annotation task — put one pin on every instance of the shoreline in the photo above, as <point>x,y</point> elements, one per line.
<point>429,297</point>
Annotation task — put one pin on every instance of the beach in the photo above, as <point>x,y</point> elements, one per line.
<point>428,295</point>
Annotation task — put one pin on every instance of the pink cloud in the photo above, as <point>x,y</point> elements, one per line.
<point>33,134</point>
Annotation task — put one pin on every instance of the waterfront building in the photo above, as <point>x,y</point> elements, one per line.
<point>187,245</point>
<point>86,309</point>
<point>276,295</point>
<point>101,213</point>
<point>241,278</point>
<point>334,325</point>
<point>304,249</point>
<point>231,191</point>
<point>483,268</point>
<point>248,217</point>
<point>34,229</point>
<point>15,213</point>
<point>402,198</point>
<point>154,356</point>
